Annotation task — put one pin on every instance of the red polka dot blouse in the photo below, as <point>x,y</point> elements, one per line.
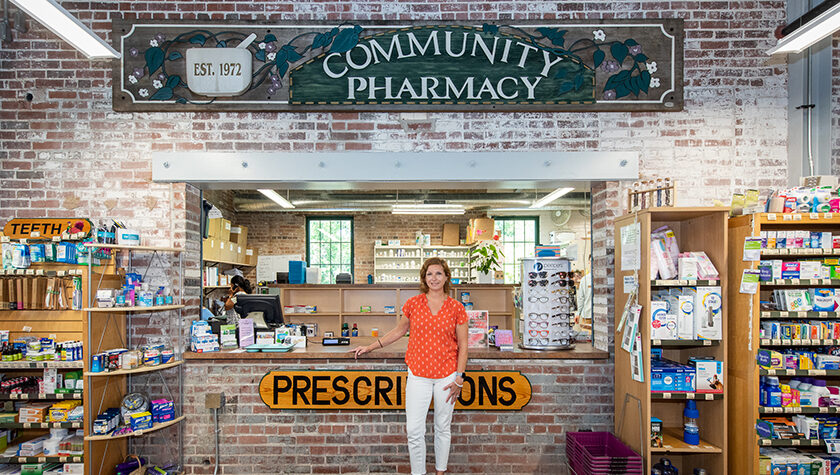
<point>432,342</point>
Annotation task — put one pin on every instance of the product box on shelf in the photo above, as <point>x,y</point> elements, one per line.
<point>219,228</point>
<point>451,234</point>
<point>212,249</point>
<point>250,256</point>
<point>663,325</point>
<point>481,229</point>
<point>708,374</point>
<point>239,235</point>
<point>708,320</point>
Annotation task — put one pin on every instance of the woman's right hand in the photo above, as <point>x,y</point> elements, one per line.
<point>360,350</point>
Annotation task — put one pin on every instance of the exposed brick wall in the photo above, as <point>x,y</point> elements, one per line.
<point>66,152</point>
<point>568,395</point>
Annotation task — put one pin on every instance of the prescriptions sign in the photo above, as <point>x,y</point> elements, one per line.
<point>385,390</point>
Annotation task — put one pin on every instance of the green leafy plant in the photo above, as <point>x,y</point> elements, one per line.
<point>486,256</point>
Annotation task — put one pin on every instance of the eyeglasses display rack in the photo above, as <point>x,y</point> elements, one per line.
<point>548,303</point>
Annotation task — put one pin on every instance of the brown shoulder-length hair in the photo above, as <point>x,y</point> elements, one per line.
<point>431,262</point>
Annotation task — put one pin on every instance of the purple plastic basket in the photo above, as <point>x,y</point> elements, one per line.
<point>600,453</point>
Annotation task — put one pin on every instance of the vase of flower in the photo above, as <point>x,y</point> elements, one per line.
<point>486,258</point>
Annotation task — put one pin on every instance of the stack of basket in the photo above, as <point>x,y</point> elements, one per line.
<point>600,453</point>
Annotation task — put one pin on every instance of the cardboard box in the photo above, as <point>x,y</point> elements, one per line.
<point>239,235</point>
<point>251,256</point>
<point>240,253</point>
<point>451,234</point>
<point>229,251</point>
<point>212,249</point>
<point>219,228</point>
<point>483,229</point>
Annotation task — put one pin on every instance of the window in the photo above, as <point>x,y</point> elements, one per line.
<point>329,245</point>
<point>518,235</point>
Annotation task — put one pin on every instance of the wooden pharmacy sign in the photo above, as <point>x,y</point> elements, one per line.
<point>385,390</point>
<point>593,65</point>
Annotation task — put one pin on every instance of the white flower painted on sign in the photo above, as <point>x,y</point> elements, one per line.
<point>261,45</point>
<point>132,79</point>
<point>157,84</point>
<point>271,56</point>
<point>654,82</point>
<point>599,35</point>
<point>651,67</point>
<point>143,92</point>
<point>153,42</point>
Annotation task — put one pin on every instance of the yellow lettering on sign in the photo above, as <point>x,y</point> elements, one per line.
<point>385,390</point>
<point>45,228</point>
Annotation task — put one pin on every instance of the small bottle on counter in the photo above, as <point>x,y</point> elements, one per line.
<point>355,331</point>
<point>345,329</point>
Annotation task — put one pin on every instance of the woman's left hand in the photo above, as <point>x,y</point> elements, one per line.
<point>454,392</point>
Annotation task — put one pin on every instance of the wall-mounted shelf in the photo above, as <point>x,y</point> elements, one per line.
<point>141,369</point>
<point>138,433</point>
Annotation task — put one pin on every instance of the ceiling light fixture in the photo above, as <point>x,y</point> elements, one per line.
<point>550,197</point>
<point>427,209</point>
<point>61,22</point>
<point>275,197</point>
<point>820,22</point>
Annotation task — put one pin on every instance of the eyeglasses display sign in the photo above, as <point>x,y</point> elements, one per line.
<point>548,304</point>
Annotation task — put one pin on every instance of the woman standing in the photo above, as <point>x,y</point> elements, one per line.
<point>436,359</point>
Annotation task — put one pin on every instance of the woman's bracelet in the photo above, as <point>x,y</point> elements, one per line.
<point>456,384</point>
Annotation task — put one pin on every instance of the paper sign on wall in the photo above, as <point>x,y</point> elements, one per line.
<point>631,247</point>
<point>752,248</point>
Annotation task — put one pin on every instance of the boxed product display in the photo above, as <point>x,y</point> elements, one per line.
<point>708,374</point>
<point>663,323</point>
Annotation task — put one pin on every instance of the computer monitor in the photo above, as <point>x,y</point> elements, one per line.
<point>265,310</point>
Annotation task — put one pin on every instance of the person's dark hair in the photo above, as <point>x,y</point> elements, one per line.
<point>431,262</point>
<point>242,283</point>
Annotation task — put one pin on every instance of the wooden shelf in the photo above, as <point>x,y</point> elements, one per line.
<point>802,342</point>
<point>790,442</point>
<point>800,252</point>
<point>798,372</point>
<point>42,364</point>
<point>696,229</point>
<point>684,343</point>
<point>773,314</point>
<point>142,369</point>
<point>44,459</point>
<point>799,410</point>
<point>241,264</point>
<point>138,433</point>
<point>685,396</point>
<point>40,396</point>
<point>215,287</point>
<point>132,248</point>
<point>684,283</point>
<point>672,441</point>
<point>786,219</point>
<point>135,309</point>
<point>368,314</point>
<point>800,282</point>
<point>41,425</point>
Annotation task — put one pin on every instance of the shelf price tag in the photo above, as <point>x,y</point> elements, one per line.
<point>787,217</point>
<point>795,442</point>
<point>790,372</point>
<point>771,216</point>
<point>818,372</point>
<point>797,217</point>
<point>823,410</point>
<point>710,397</point>
<point>814,215</point>
<point>827,215</point>
<point>689,395</point>
<point>666,395</point>
<point>765,441</point>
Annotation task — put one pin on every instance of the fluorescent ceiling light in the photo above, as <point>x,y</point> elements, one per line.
<point>427,209</point>
<point>61,22</point>
<point>806,35</point>
<point>550,197</point>
<point>273,196</point>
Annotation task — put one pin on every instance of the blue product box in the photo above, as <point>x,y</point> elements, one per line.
<point>765,271</point>
<point>764,429</point>
<point>297,272</point>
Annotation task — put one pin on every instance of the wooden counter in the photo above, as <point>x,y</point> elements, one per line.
<point>396,350</point>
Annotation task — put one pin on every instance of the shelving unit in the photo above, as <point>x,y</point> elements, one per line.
<point>401,264</point>
<point>696,229</point>
<point>62,325</point>
<point>109,328</point>
<point>338,304</point>
<point>745,324</point>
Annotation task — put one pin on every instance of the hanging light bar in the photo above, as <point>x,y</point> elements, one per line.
<point>427,209</point>
<point>61,22</point>
<point>550,197</point>
<point>275,197</point>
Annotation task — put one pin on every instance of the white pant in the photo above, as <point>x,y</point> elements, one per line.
<point>418,395</point>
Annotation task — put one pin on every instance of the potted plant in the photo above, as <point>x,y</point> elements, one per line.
<point>486,258</point>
